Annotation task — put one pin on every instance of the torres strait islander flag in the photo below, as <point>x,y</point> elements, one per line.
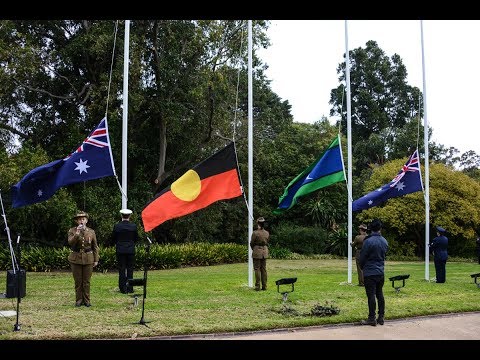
<point>215,178</point>
<point>325,171</point>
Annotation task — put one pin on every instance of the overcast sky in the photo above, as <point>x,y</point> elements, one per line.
<point>304,56</point>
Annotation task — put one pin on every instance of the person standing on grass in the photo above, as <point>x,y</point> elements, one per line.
<point>440,254</point>
<point>372,262</point>
<point>259,245</point>
<point>357,246</point>
<point>124,237</point>
<point>83,257</point>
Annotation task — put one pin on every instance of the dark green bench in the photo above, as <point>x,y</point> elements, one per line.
<point>286,281</point>
<point>398,278</point>
<point>475,276</point>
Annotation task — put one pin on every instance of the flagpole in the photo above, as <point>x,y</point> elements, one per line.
<point>250,156</point>
<point>427,166</point>
<point>125,113</point>
<point>349,155</point>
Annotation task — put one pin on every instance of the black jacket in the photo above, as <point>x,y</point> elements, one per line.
<point>124,237</point>
<point>439,245</point>
<point>372,255</point>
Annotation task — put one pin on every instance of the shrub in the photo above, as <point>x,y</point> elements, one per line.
<point>397,248</point>
<point>298,239</point>
<point>277,252</point>
<point>37,258</point>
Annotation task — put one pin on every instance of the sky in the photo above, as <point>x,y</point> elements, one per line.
<point>305,54</point>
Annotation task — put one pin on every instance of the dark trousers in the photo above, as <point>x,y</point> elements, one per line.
<point>260,268</point>
<point>82,275</point>
<point>440,271</point>
<point>125,271</point>
<point>374,289</point>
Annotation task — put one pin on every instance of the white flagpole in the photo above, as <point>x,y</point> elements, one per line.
<point>427,167</point>
<point>250,155</point>
<point>349,155</point>
<point>125,113</point>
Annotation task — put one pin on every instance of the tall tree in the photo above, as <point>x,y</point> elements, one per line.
<point>382,103</point>
<point>183,100</point>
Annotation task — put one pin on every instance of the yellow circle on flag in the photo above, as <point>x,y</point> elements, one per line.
<point>187,187</point>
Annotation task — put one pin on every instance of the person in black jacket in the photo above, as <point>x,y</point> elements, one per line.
<point>124,237</point>
<point>439,246</point>
<point>372,262</point>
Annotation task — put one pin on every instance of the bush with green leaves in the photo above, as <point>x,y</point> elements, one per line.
<point>157,256</point>
<point>277,252</point>
<point>399,248</point>
<point>337,241</point>
<point>299,239</point>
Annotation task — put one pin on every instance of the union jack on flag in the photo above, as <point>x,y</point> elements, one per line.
<point>411,165</point>
<point>408,180</point>
<point>92,160</point>
<point>98,137</point>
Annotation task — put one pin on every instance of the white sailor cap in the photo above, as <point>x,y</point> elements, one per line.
<point>125,211</point>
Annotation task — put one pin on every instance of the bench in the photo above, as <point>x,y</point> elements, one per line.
<point>285,281</point>
<point>135,282</point>
<point>132,283</point>
<point>475,276</point>
<point>398,278</point>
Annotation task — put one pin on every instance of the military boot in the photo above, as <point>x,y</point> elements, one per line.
<point>380,320</point>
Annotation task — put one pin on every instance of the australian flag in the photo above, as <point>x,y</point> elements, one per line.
<point>92,160</point>
<point>408,180</point>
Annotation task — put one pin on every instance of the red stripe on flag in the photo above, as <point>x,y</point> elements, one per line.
<point>218,187</point>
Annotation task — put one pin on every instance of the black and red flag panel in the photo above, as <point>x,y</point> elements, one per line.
<point>215,178</point>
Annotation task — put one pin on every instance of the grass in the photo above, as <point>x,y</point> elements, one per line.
<point>201,300</point>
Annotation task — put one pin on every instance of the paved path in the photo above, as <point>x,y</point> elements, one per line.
<point>462,326</point>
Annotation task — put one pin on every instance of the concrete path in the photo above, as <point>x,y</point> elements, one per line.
<point>462,326</point>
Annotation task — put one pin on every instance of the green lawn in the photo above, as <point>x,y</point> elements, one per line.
<point>218,299</point>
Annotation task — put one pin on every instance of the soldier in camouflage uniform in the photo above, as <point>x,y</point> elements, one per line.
<point>259,245</point>
<point>83,257</point>
<point>357,246</point>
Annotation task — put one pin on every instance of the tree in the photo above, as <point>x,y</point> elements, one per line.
<point>191,74</point>
<point>279,161</point>
<point>382,103</point>
<point>454,204</point>
<point>183,101</point>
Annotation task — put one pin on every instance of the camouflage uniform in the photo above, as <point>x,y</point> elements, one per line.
<point>357,245</point>
<point>83,255</point>
<point>259,245</point>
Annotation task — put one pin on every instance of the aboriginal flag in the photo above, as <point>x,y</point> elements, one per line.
<point>215,178</point>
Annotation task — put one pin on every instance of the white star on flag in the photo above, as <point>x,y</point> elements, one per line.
<point>82,166</point>
<point>40,193</point>
<point>407,181</point>
<point>400,186</point>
